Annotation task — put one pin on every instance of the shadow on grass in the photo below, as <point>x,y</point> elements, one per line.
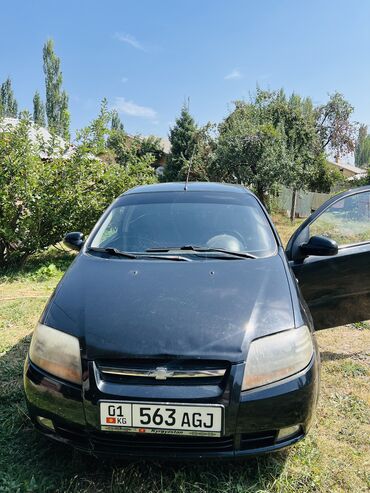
<point>331,356</point>
<point>30,463</point>
<point>58,257</point>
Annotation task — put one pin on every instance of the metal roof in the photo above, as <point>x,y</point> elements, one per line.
<point>191,187</point>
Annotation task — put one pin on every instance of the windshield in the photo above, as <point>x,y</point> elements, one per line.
<point>212,220</point>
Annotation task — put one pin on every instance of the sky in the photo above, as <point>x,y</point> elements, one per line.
<point>149,57</point>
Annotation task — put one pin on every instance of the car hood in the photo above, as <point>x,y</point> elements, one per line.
<point>156,308</point>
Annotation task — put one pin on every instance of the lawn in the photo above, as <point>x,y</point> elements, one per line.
<point>333,458</point>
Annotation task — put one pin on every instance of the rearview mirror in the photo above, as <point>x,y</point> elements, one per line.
<point>74,240</point>
<point>320,246</point>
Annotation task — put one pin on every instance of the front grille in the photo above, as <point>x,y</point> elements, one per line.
<point>117,443</point>
<point>163,372</point>
<point>121,442</point>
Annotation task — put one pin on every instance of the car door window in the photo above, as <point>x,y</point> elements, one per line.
<point>346,221</point>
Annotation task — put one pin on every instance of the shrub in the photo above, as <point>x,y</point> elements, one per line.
<point>40,200</point>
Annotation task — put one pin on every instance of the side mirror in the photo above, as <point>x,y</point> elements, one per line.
<point>74,240</point>
<point>320,246</point>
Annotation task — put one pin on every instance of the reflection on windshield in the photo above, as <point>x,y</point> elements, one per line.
<point>220,221</point>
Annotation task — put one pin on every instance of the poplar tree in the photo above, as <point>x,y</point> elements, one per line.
<point>8,103</point>
<point>38,110</point>
<point>56,100</point>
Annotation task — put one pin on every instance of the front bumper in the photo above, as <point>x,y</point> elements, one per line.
<point>252,419</point>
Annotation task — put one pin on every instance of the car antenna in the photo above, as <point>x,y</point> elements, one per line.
<point>188,174</point>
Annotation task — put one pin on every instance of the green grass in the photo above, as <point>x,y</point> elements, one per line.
<point>333,458</point>
<point>341,228</point>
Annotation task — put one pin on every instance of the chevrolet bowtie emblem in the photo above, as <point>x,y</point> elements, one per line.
<point>161,373</point>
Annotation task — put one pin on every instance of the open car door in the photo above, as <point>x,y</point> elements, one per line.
<point>330,256</point>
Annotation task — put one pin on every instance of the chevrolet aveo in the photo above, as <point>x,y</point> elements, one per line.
<point>183,329</point>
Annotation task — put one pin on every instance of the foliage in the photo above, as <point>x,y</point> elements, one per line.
<point>129,150</point>
<point>8,103</point>
<point>116,123</point>
<point>334,126</point>
<point>64,117</point>
<point>46,272</point>
<point>93,138</point>
<point>41,200</point>
<point>192,150</point>
<point>364,180</point>
<point>251,150</point>
<point>56,100</point>
<point>200,167</point>
<point>362,150</point>
<point>151,145</point>
<point>274,139</point>
<point>323,178</point>
<point>123,146</point>
<point>183,138</point>
<point>297,119</point>
<point>38,110</point>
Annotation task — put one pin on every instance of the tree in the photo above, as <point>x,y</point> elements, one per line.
<point>64,121</point>
<point>130,150</point>
<point>200,168</point>
<point>38,110</point>
<point>8,103</point>
<point>299,135</point>
<point>123,146</point>
<point>251,150</point>
<point>183,136</point>
<point>297,116</point>
<point>334,127</point>
<point>56,100</point>
<point>93,138</point>
<point>116,123</point>
<point>362,150</point>
<point>151,145</point>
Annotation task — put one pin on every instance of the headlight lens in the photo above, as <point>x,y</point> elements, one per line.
<point>57,353</point>
<point>272,358</point>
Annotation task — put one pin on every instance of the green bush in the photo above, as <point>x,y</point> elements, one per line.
<point>41,200</point>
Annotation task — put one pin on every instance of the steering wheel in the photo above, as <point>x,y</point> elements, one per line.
<point>227,241</point>
<point>236,234</point>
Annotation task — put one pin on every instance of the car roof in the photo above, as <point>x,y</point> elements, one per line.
<point>190,187</point>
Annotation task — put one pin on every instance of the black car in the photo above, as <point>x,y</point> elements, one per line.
<point>183,329</point>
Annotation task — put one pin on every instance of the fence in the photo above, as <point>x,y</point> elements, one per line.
<point>307,202</point>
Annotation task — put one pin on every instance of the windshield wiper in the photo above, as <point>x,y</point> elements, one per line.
<point>203,249</point>
<point>112,251</point>
<point>120,253</point>
<point>177,258</point>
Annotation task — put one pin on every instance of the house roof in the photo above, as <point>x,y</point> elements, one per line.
<point>40,135</point>
<point>349,167</point>
<point>166,145</point>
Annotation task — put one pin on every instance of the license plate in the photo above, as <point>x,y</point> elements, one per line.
<point>170,419</point>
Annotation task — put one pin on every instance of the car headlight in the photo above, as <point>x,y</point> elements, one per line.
<point>57,353</point>
<point>272,358</point>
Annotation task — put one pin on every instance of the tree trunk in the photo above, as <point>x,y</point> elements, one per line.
<point>294,205</point>
<point>261,195</point>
